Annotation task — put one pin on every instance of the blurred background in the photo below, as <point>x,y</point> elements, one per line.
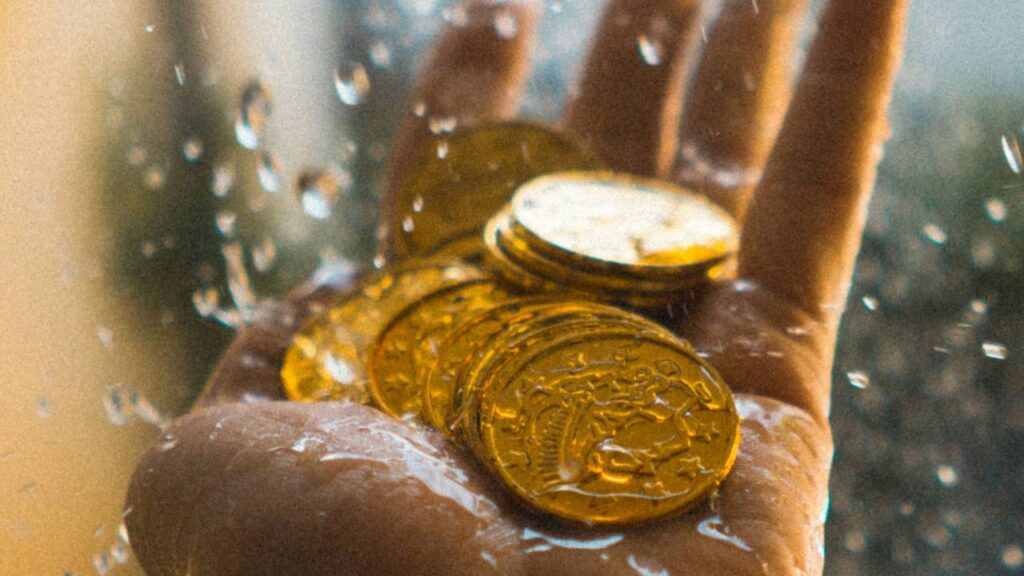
<point>164,165</point>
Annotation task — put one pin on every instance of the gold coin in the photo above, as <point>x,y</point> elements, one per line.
<point>535,327</point>
<point>464,177</point>
<point>631,226</point>
<point>613,427</point>
<point>326,359</point>
<point>408,346</point>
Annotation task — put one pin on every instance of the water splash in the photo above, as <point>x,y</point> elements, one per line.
<point>352,83</point>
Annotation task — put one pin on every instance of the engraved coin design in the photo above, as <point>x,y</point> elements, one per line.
<point>613,427</point>
<point>408,346</point>
<point>623,223</point>
<point>462,178</point>
<point>326,359</point>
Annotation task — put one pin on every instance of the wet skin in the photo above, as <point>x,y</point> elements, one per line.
<point>248,484</point>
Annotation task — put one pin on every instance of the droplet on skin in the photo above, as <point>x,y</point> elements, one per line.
<point>352,83</point>
<point>649,49</point>
<point>996,210</point>
<point>947,475</point>
<point>43,408</point>
<point>267,173</point>
<point>149,27</point>
<point>1012,151</point>
<point>192,149</point>
<point>858,379</point>
<point>417,204</point>
<point>223,180</point>
<point>1012,556</point>
<point>106,335</point>
<point>994,350</point>
<point>226,220</point>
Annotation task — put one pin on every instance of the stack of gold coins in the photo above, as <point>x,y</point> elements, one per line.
<point>610,236</point>
<point>580,409</point>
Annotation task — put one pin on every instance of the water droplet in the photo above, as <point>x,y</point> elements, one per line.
<point>264,253</point>
<point>854,541</point>
<point>419,109</point>
<point>1012,556</point>
<point>226,220</point>
<point>101,564</point>
<point>179,73</point>
<point>979,306</point>
<point>148,249</point>
<point>155,178</point>
<point>168,442</point>
<point>205,301</point>
<point>1012,151</point>
<point>192,149</point>
<point>996,210</point>
<point>858,379</point>
<point>352,83</point>
<point>119,552</point>
<point>380,55</point>
<point>379,261</point>
<point>650,50</point>
<point>408,225</point>
<point>456,15</point>
<point>267,173</point>
<point>417,204</point>
<point>871,303</point>
<point>106,335</point>
<point>149,27</point>
<point>947,475</point>
<point>43,408</point>
<point>442,124</point>
<point>994,350</point>
<point>223,180</point>
<point>254,108</point>
<point>116,406</point>
<point>506,25</point>
<point>136,155</point>
<point>934,234</point>
<point>318,192</point>
<point>442,149</point>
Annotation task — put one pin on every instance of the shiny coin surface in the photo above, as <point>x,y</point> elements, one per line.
<point>608,427</point>
<point>407,348</point>
<point>624,224</point>
<point>462,178</point>
<point>326,359</point>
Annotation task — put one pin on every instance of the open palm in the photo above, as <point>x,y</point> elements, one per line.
<point>247,484</point>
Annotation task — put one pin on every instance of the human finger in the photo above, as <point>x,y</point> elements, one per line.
<point>249,370</point>
<point>803,227</point>
<point>739,96</point>
<point>631,91</point>
<point>474,73</point>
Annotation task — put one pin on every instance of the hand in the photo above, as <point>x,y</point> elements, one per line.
<point>237,487</point>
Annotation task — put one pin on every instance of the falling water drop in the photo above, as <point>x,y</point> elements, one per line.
<point>318,192</point>
<point>1012,556</point>
<point>226,221</point>
<point>264,253</point>
<point>417,204</point>
<point>996,210</point>
<point>352,83</point>
<point>192,149</point>
<point>267,173</point>
<point>858,379</point>
<point>442,124</point>
<point>380,55</point>
<point>994,350</point>
<point>650,50</point>
<point>179,73</point>
<point>253,109</point>
<point>947,475</point>
<point>223,180</point>
<point>934,234</point>
<point>408,225</point>
<point>1012,151</point>
<point>871,303</point>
